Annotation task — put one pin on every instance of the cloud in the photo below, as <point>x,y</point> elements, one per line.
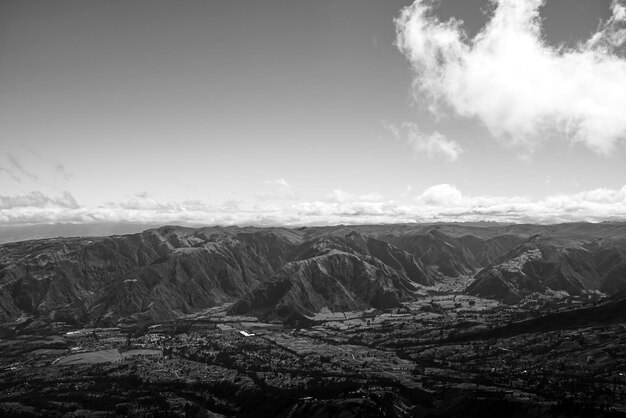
<point>277,189</point>
<point>61,172</point>
<point>341,196</point>
<point>446,202</point>
<point>437,203</point>
<point>26,166</point>
<point>613,35</point>
<point>144,201</point>
<point>20,167</point>
<point>433,145</point>
<point>279,183</point>
<point>10,173</point>
<point>522,90</point>
<point>38,200</point>
<point>440,195</point>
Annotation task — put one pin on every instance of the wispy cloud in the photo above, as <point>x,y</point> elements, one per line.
<point>38,200</point>
<point>277,189</point>
<point>24,165</point>
<point>10,173</point>
<point>341,196</point>
<point>61,172</point>
<point>433,145</point>
<point>523,90</point>
<point>20,167</point>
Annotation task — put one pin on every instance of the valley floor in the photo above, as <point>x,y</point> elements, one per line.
<point>444,355</point>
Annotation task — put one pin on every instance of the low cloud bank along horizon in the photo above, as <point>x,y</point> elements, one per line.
<point>523,90</point>
<point>438,203</point>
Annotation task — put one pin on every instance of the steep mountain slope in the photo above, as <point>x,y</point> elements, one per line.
<point>172,271</point>
<point>168,272</point>
<point>161,273</point>
<point>342,271</point>
<point>453,250</point>
<point>350,240</point>
<point>553,262</point>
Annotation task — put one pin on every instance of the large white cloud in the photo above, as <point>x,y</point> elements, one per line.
<point>442,202</point>
<point>523,90</point>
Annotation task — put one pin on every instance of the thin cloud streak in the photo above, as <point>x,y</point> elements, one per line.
<point>11,174</point>
<point>20,167</point>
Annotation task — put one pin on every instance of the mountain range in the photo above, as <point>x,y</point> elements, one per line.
<point>280,273</point>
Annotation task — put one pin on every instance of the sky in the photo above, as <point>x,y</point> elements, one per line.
<point>294,112</point>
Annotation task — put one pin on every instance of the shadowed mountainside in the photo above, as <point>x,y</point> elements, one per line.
<point>342,271</point>
<point>14,233</point>
<point>161,274</point>
<point>573,262</point>
<point>169,272</point>
<point>172,271</point>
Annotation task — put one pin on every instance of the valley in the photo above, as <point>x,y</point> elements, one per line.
<point>424,321</point>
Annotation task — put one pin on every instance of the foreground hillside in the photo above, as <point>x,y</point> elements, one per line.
<point>280,273</point>
<point>441,356</point>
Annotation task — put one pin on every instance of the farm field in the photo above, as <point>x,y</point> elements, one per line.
<point>445,352</point>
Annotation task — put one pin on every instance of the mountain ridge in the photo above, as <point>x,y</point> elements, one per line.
<point>171,271</point>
